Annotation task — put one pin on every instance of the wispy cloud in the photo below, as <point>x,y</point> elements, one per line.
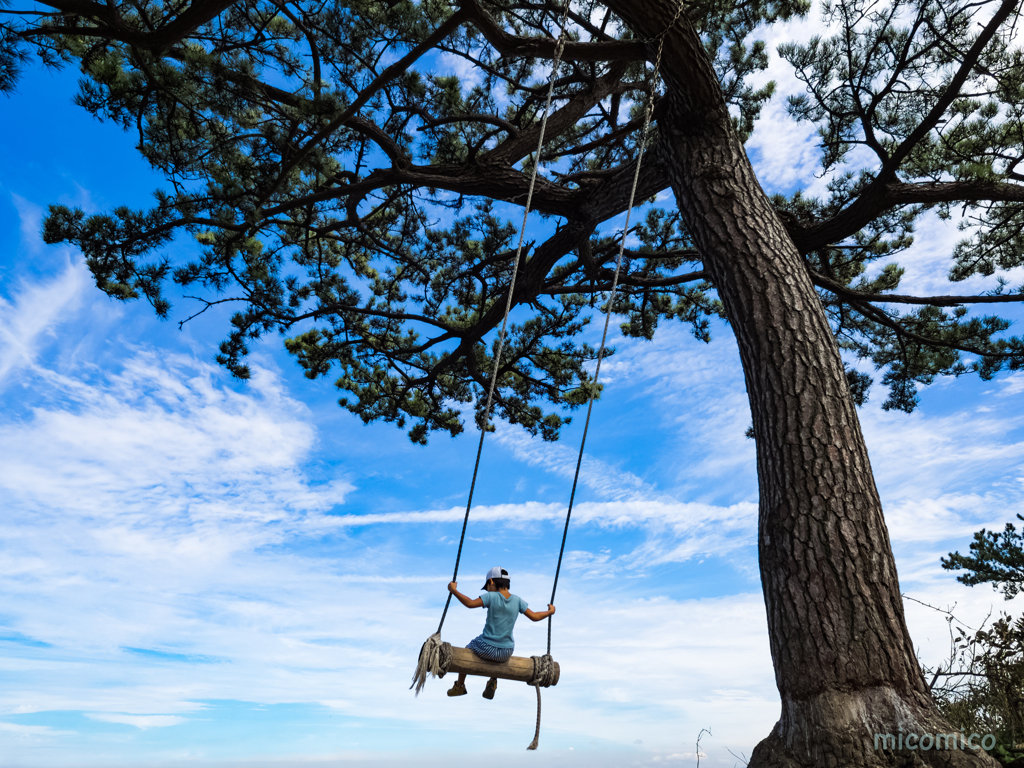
<point>694,400</point>
<point>673,531</point>
<point>165,548</point>
<point>139,721</point>
<point>922,456</point>
<point>158,428</point>
<point>603,479</point>
<point>155,528</point>
<point>30,732</point>
<point>785,153</point>
<point>33,314</point>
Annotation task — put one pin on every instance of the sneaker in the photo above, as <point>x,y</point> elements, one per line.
<point>492,685</point>
<point>459,689</point>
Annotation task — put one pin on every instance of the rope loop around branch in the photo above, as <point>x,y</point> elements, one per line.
<point>661,35</point>
<point>435,656</point>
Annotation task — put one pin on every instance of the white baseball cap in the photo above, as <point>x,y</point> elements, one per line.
<point>495,573</point>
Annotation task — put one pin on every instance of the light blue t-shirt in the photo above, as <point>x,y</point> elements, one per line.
<point>501,617</point>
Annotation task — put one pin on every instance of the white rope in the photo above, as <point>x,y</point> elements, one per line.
<point>511,289</point>
<point>435,655</point>
<point>648,111</point>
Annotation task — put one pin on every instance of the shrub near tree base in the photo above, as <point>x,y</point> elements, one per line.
<point>981,687</point>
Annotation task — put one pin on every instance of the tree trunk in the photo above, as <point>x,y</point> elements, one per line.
<point>844,662</point>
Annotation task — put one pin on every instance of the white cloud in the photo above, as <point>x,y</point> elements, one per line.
<point>786,154</point>
<point>30,220</point>
<point>1010,385</point>
<point>605,480</point>
<point>119,450</point>
<point>33,732</point>
<point>694,398</point>
<point>922,456</point>
<point>33,315</point>
<point>784,159</point>
<point>469,75</point>
<point>162,536</point>
<point>154,536</point>
<point>139,721</point>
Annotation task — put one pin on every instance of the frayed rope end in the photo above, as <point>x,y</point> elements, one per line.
<point>435,657</point>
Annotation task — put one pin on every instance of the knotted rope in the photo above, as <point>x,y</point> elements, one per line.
<point>545,671</point>
<point>536,732</point>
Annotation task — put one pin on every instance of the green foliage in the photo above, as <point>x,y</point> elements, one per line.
<point>117,271</point>
<point>348,174</point>
<point>13,54</point>
<point>859,383</point>
<point>997,558</point>
<point>872,91</point>
<point>301,218</point>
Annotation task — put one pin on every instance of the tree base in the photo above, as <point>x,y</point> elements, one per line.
<point>841,730</point>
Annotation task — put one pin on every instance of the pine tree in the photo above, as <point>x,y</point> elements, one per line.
<point>997,558</point>
<point>341,192</point>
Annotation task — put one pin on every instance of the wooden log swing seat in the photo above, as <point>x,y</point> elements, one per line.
<point>464,661</point>
<point>437,657</point>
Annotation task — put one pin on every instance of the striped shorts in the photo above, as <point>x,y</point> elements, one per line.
<point>485,650</point>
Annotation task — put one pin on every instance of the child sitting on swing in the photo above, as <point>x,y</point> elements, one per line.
<point>495,643</point>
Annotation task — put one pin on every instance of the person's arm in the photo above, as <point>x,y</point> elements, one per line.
<point>539,615</point>
<point>475,603</point>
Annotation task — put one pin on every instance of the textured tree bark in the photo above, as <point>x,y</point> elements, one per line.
<point>844,662</point>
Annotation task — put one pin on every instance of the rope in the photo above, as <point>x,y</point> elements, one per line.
<point>545,673</point>
<point>648,110</point>
<point>660,37</point>
<point>536,732</point>
<point>435,655</point>
<point>559,47</point>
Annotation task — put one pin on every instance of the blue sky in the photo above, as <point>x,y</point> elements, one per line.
<point>198,570</point>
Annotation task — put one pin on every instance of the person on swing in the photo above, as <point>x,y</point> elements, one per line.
<point>495,643</point>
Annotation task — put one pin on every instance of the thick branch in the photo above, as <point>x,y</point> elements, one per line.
<point>515,149</point>
<point>932,301</point>
<point>198,13</point>
<point>630,281</point>
<point>872,312</point>
<point>952,90</point>
<point>873,199</point>
<point>877,199</point>
<point>511,45</point>
<point>390,73</point>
